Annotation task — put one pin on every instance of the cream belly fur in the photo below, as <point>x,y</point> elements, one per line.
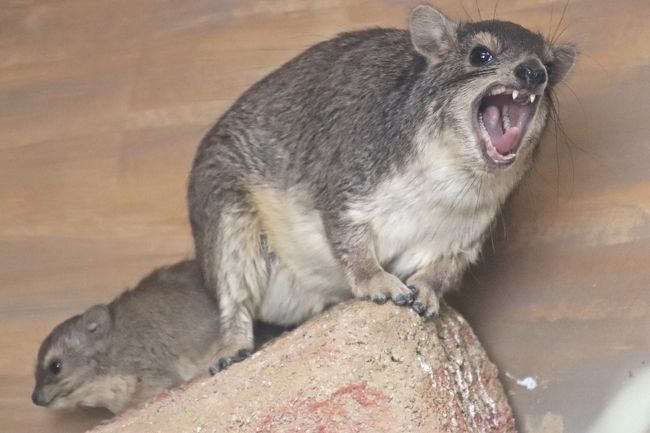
<point>432,212</point>
<point>306,277</point>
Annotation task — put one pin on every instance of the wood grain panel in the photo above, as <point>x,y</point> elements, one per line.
<point>102,104</point>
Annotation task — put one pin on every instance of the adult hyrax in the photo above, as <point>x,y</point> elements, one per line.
<point>370,166</point>
<point>154,337</point>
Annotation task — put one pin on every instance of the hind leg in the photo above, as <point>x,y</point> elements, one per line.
<point>230,249</point>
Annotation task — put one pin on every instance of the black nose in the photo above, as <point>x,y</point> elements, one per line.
<point>531,74</point>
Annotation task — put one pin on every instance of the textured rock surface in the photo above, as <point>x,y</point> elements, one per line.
<point>358,367</point>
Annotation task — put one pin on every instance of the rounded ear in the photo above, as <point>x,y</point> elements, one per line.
<point>432,33</point>
<point>97,321</point>
<point>563,59</point>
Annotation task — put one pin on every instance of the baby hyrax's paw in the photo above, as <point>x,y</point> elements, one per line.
<point>226,361</point>
<point>383,286</point>
<point>229,356</point>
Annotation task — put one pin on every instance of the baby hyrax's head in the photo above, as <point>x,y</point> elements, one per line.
<point>494,79</point>
<point>71,367</point>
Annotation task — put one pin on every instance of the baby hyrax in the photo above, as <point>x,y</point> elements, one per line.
<point>370,166</point>
<point>117,355</point>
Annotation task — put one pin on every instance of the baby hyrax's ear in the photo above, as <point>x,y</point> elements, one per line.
<point>563,58</point>
<point>432,33</point>
<point>97,321</point>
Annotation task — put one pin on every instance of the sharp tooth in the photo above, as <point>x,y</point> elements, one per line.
<point>532,98</point>
<point>515,93</point>
<point>498,90</point>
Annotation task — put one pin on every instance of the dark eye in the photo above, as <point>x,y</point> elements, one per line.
<point>480,56</point>
<point>549,68</point>
<point>55,366</point>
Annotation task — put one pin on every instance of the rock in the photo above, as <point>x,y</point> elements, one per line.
<point>358,367</point>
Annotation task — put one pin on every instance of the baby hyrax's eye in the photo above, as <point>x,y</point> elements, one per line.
<point>480,56</point>
<point>55,366</point>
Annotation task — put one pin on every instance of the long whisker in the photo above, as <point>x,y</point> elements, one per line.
<point>559,24</point>
<point>575,95</point>
<point>550,22</point>
<point>494,11</point>
<point>471,75</point>
<point>600,65</point>
<point>560,133</point>
<point>469,17</point>
<point>557,152</point>
<point>559,35</point>
<point>567,143</point>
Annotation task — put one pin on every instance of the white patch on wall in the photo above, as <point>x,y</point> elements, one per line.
<point>629,410</point>
<point>528,382</point>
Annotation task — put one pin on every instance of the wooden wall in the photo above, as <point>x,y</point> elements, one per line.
<point>102,104</point>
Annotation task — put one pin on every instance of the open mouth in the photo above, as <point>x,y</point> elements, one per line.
<point>502,117</point>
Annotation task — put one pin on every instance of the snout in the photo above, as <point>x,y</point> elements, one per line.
<point>37,398</point>
<point>531,74</point>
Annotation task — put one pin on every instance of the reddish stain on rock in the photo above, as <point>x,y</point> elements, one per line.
<point>360,392</point>
<point>328,352</point>
<point>163,396</point>
<point>468,335</point>
<point>350,408</point>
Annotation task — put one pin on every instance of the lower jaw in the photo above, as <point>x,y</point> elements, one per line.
<point>491,155</point>
<point>498,165</point>
<point>491,152</point>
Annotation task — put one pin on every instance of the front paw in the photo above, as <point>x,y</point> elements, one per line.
<point>226,361</point>
<point>427,299</point>
<point>383,286</point>
<point>426,304</point>
<point>233,348</point>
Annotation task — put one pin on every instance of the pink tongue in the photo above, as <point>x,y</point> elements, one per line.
<point>503,142</point>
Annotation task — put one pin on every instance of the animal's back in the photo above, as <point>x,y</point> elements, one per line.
<point>331,110</point>
<point>169,313</point>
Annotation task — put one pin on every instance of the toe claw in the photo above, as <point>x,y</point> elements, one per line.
<point>400,300</point>
<point>379,300</point>
<point>430,313</point>
<point>243,354</point>
<point>419,307</point>
<point>405,298</point>
<point>223,363</point>
<point>413,289</point>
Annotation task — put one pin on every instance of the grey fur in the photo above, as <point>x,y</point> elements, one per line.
<point>150,338</point>
<point>309,164</point>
